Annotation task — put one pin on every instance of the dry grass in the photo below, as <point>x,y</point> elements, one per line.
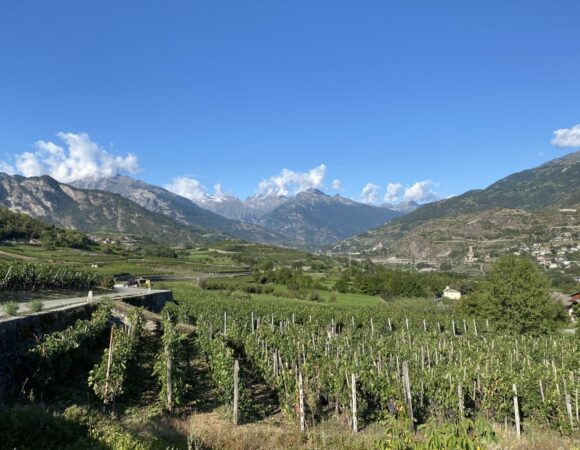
<point>211,431</point>
<point>535,439</point>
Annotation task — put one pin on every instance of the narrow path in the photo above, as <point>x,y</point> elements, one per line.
<point>263,402</point>
<point>119,291</point>
<point>17,256</point>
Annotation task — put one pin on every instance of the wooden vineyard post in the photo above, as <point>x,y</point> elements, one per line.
<point>252,323</point>
<point>332,328</point>
<point>517,412</point>
<point>577,416</point>
<point>354,405</point>
<point>236,391</point>
<point>301,402</point>
<point>569,410</point>
<point>225,323</point>
<point>169,365</point>
<point>460,396</point>
<point>169,382</point>
<point>542,392</point>
<point>453,323</point>
<point>408,396</point>
<point>109,364</point>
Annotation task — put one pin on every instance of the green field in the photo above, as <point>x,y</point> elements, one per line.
<point>239,257</point>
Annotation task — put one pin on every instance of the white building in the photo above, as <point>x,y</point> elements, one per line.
<point>452,294</point>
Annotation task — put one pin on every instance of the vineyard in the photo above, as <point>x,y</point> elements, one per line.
<point>403,375</point>
<point>22,276</point>
<point>418,366</point>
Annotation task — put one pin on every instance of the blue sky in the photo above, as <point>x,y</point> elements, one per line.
<point>460,93</point>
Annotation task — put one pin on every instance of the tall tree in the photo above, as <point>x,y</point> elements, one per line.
<point>517,297</point>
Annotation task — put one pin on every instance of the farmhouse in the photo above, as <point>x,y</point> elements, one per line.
<point>451,293</point>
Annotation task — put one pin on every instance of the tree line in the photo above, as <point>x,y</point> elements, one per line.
<point>22,226</point>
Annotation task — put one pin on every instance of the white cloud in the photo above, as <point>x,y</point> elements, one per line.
<point>394,191</point>
<point>81,159</point>
<point>219,192</point>
<point>7,168</point>
<point>567,137</point>
<point>336,185</point>
<point>420,192</point>
<point>29,165</point>
<point>290,182</point>
<point>188,187</point>
<point>370,193</point>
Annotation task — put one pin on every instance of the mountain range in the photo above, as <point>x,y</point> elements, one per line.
<point>93,210</point>
<point>535,205</point>
<point>122,204</point>
<point>159,200</point>
<point>312,218</point>
<point>249,210</point>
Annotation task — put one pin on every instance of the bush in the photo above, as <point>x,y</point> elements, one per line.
<point>161,251</point>
<point>516,298</point>
<point>314,297</point>
<point>446,266</point>
<point>35,306</point>
<point>28,427</point>
<point>11,308</point>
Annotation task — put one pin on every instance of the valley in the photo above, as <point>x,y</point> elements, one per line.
<point>289,225</point>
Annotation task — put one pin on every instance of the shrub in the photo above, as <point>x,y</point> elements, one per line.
<point>35,306</point>
<point>33,427</point>
<point>11,308</point>
<point>314,296</point>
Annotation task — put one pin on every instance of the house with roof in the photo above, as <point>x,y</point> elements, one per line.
<point>452,294</point>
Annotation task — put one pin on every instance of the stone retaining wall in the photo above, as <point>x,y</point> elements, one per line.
<point>153,302</point>
<point>17,334</point>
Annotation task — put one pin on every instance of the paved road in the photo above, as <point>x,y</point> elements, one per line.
<point>118,291</point>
